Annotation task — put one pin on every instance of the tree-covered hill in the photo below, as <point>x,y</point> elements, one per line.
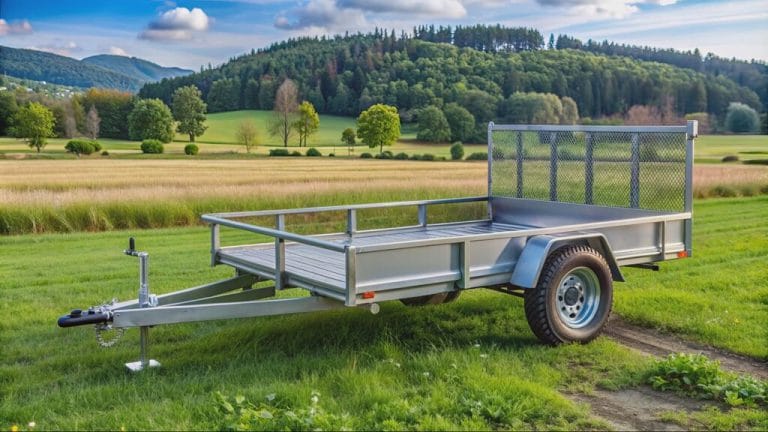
<point>141,70</point>
<point>346,74</point>
<point>121,73</point>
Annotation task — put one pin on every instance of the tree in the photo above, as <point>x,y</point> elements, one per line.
<point>8,109</point>
<point>570,114</point>
<point>113,107</point>
<point>461,122</point>
<point>92,122</point>
<point>378,126</point>
<point>189,111</point>
<point>284,113</point>
<point>247,135</point>
<point>348,137</point>
<point>741,118</point>
<point>151,119</point>
<point>307,122</point>
<point>433,126</point>
<point>34,123</point>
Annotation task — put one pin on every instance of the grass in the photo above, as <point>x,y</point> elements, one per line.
<point>720,296</point>
<point>472,364</point>
<point>713,148</point>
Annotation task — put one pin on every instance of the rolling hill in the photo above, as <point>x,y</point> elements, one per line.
<point>142,70</point>
<point>122,73</point>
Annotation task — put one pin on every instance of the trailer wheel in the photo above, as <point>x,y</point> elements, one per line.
<point>432,299</point>
<point>573,298</point>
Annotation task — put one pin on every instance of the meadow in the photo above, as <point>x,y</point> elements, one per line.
<point>472,364</point>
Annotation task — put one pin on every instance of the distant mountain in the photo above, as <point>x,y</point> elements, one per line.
<point>122,73</point>
<point>136,68</point>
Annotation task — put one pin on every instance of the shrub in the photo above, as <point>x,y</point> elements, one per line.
<point>401,156</point>
<point>386,154</point>
<point>427,157</point>
<point>152,146</point>
<point>96,146</point>
<point>279,152</point>
<point>331,154</point>
<point>457,151</point>
<point>366,156</point>
<point>478,156</point>
<point>313,152</point>
<point>730,158</point>
<point>442,158</point>
<point>191,149</point>
<point>741,118</point>
<point>295,153</point>
<point>80,147</point>
<point>416,157</point>
<point>105,153</point>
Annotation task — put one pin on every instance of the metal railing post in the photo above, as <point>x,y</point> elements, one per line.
<point>519,160</point>
<point>634,179</point>
<point>490,170</point>
<point>589,170</point>
<point>553,166</point>
<point>423,215</point>
<point>351,221</point>
<point>692,131</point>
<point>215,243</point>
<point>280,254</point>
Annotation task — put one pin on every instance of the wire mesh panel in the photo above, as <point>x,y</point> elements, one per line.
<point>634,167</point>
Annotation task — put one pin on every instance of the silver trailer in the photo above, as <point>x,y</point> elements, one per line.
<point>567,207</point>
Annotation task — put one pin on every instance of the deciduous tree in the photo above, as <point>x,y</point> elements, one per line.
<point>151,119</point>
<point>92,122</point>
<point>284,113</point>
<point>307,122</point>
<point>34,123</point>
<point>189,110</point>
<point>378,126</point>
<point>433,126</point>
<point>247,135</point>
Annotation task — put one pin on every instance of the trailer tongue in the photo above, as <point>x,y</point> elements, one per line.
<point>567,206</point>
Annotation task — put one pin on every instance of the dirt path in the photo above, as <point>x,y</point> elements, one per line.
<point>642,408</point>
<point>649,342</point>
<point>638,409</point>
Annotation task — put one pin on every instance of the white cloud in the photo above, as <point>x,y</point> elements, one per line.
<point>604,8</point>
<point>177,24</point>
<point>58,47</point>
<point>16,27</point>
<point>432,8</point>
<point>324,14</point>
<point>114,50</point>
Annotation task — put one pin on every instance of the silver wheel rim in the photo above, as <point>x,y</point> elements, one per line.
<point>578,297</point>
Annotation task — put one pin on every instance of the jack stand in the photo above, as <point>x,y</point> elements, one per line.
<point>143,361</point>
<point>145,300</point>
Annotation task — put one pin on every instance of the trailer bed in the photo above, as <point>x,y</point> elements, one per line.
<point>308,263</point>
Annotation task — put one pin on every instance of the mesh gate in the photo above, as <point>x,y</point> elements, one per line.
<point>628,166</point>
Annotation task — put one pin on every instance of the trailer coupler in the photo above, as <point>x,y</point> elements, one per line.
<point>94,315</point>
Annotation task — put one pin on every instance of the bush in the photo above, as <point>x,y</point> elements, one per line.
<point>386,154</point>
<point>416,157</point>
<point>478,156</point>
<point>427,157</point>
<point>80,147</point>
<point>401,156</point>
<point>152,146</point>
<point>313,152</point>
<point>105,153</point>
<point>366,156</point>
<point>730,158</point>
<point>331,154</point>
<point>741,118</point>
<point>191,149</point>
<point>96,146</point>
<point>295,153</point>
<point>457,151</point>
<point>279,152</point>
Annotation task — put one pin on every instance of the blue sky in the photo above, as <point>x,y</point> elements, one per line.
<point>194,33</point>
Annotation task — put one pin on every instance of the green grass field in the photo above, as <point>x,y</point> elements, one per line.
<point>472,364</point>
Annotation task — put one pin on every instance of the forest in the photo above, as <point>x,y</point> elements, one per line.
<point>476,67</point>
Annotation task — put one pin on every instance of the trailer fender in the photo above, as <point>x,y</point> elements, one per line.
<point>537,249</point>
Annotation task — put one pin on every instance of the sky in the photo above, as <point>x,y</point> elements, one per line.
<point>191,34</point>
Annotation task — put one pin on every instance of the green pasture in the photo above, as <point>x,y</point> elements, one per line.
<point>472,364</point>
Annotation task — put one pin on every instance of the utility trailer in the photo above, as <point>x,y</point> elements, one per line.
<point>567,207</point>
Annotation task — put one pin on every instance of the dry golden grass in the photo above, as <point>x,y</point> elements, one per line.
<point>65,182</point>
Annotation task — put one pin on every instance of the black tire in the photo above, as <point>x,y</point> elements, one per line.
<point>573,298</point>
<point>432,299</point>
